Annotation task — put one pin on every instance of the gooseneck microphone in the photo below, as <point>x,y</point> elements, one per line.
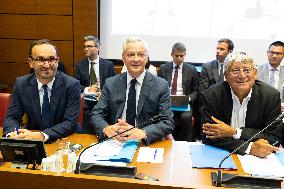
<point>140,126</point>
<point>218,181</point>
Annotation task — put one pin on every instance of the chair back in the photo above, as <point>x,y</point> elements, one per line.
<point>5,100</point>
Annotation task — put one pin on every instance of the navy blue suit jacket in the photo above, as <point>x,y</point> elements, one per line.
<point>154,99</point>
<point>64,106</point>
<point>82,72</point>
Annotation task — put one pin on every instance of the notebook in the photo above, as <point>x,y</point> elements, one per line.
<point>180,103</point>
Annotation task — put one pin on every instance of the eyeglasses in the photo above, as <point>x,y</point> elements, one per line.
<point>275,53</point>
<point>89,46</point>
<point>237,71</point>
<point>133,55</point>
<point>41,60</point>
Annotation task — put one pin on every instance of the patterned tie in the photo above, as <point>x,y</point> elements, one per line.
<point>45,109</point>
<point>221,74</point>
<point>131,104</point>
<point>272,77</point>
<point>174,83</point>
<point>93,77</point>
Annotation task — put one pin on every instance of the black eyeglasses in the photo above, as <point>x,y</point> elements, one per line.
<point>41,60</point>
<point>275,53</point>
<point>89,46</point>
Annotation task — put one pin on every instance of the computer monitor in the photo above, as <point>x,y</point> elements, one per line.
<point>22,151</point>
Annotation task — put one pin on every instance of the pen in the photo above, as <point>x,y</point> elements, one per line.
<point>17,130</point>
<point>275,143</point>
<point>155,153</point>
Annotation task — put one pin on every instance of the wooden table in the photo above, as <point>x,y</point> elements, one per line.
<point>175,172</point>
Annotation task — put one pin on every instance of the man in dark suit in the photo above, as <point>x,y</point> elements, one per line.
<point>185,83</point>
<point>50,99</point>
<point>212,72</point>
<point>103,68</point>
<point>92,72</point>
<point>236,109</point>
<point>133,97</point>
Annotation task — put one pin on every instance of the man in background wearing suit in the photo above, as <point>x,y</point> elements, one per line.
<point>272,73</point>
<point>84,69</point>
<point>236,109</point>
<point>50,99</point>
<point>212,72</point>
<point>92,72</point>
<point>183,80</point>
<point>133,97</point>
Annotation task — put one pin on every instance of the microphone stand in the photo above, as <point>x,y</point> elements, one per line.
<point>218,182</point>
<point>141,125</point>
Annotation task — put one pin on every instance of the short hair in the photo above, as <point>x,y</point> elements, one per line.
<point>277,44</point>
<point>92,38</point>
<point>179,46</point>
<point>134,40</point>
<point>238,57</point>
<point>229,42</point>
<point>41,42</point>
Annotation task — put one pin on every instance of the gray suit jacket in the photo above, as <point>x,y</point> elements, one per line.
<point>189,78</point>
<point>64,106</point>
<point>154,99</point>
<point>263,75</point>
<point>209,75</point>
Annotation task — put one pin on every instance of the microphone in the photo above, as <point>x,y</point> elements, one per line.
<point>218,181</point>
<point>141,125</point>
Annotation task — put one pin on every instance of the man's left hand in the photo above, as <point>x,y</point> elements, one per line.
<point>219,129</point>
<point>35,135</point>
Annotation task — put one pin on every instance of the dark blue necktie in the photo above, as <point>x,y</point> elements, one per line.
<point>131,104</point>
<point>45,109</point>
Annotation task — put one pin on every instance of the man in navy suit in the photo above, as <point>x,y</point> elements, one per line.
<point>186,83</point>
<point>133,97</point>
<point>50,98</point>
<point>103,68</point>
<point>212,72</point>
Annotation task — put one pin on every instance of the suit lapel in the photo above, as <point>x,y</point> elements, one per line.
<point>169,72</point>
<point>85,70</point>
<point>145,90</point>
<point>184,77</point>
<point>121,96</point>
<point>265,74</point>
<point>34,98</point>
<point>101,71</point>
<point>215,70</point>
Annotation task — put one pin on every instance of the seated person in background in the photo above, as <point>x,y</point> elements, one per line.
<point>149,67</point>
<point>133,97</point>
<point>60,67</point>
<point>236,109</point>
<point>183,80</point>
<point>50,99</point>
<point>92,71</point>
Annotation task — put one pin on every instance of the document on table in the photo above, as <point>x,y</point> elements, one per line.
<point>151,155</point>
<point>269,166</point>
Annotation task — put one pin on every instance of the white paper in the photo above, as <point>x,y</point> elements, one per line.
<point>268,166</point>
<point>151,155</point>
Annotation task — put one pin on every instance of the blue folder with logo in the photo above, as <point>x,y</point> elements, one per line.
<point>205,156</point>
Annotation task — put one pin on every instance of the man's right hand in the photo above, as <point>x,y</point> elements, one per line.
<point>262,148</point>
<point>23,133</point>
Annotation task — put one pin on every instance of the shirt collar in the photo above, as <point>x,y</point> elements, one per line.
<point>96,60</point>
<point>174,65</point>
<point>271,68</point>
<point>236,99</point>
<point>139,79</point>
<point>49,85</point>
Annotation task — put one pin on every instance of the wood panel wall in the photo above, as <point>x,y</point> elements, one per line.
<point>65,22</point>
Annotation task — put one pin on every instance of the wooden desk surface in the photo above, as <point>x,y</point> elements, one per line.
<point>175,172</point>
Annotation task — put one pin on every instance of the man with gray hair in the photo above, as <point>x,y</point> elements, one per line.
<point>183,80</point>
<point>133,97</point>
<point>235,110</point>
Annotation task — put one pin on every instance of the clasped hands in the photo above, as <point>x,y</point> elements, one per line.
<point>26,134</point>
<point>122,126</point>
<point>219,129</point>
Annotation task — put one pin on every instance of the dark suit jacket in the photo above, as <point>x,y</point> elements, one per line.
<point>263,108</point>
<point>190,80</point>
<point>82,72</point>
<point>64,106</point>
<point>154,99</point>
<point>209,75</point>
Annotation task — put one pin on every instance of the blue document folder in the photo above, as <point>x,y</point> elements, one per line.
<point>205,156</point>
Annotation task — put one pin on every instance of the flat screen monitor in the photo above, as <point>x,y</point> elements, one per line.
<point>22,151</point>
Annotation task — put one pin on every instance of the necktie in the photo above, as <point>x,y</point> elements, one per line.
<point>93,77</point>
<point>131,104</point>
<point>45,109</point>
<point>272,78</point>
<point>174,83</point>
<point>221,74</point>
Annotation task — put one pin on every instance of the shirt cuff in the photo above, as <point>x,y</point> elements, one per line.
<point>238,133</point>
<point>189,99</point>
<point>46,137</point>
<point>86,90</point>
<point>249,147</point>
